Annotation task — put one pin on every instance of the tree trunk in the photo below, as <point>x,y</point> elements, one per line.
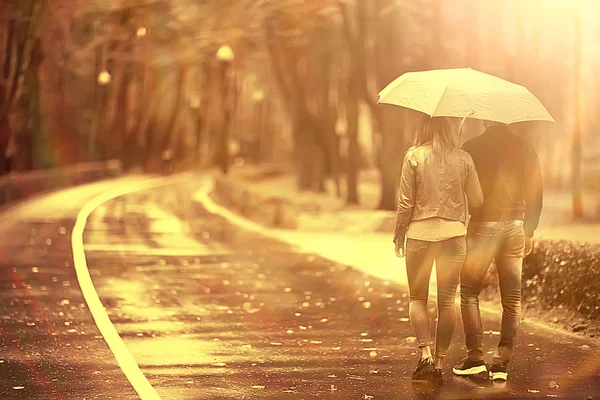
<point>392,118</point>
<point>15,62</point>
<point>304,158</point>
<point>223,143</point>
<point>472,35</point>
<point>170,133</point>
<point>352,114</point>
<point>390,163</point>
<point>436,54</point>
<point>204,106</point>
<point>576,145</point>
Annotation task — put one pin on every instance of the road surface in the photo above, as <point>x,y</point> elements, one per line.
<point>212,311</point>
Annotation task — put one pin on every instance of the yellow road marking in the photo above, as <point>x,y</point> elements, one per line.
<point>116,344</point>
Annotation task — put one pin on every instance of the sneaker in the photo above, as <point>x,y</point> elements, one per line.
<point>498,373</point>
<point>425,370</point>
<point>469,367</point>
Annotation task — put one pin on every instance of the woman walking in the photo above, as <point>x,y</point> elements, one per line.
<point>437,180</point>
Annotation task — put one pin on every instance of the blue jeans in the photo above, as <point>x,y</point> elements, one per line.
<point>449,256</point>
<point>504,243</point>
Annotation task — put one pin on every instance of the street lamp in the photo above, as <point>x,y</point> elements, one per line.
<point>258,96</point>
<point>225,56</point>
<point>141,31</point>
<point>104,78</point>
<point>194,101</point>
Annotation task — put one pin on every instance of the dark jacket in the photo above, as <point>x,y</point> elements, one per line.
<point>431,187</point>
<point>510,176</point>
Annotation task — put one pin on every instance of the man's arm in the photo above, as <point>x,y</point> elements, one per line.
<point>533,189</point>
<point>406,200</point>
<point>473,187</point>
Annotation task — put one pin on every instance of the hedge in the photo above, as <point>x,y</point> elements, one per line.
<point>565,275</point>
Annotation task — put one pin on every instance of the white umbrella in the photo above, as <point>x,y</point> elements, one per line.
<point>464,92</point>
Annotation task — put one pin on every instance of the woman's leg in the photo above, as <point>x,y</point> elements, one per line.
<point>448,267</point>
<point>419,263</point>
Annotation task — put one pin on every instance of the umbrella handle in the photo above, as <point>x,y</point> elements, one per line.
<point>460,128</point>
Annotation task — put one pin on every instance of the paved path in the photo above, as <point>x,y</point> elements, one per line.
<point>213,311</point>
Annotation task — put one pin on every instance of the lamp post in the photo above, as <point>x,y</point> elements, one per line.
<point>576,144</point>
<point>225,56</point>
<point>195,102</point>
<point>258,97</point>
<point>103,79</point>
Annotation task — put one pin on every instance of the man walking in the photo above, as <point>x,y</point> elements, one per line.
<point>501,230</point>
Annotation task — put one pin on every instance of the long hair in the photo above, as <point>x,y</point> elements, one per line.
<point>438,132</point>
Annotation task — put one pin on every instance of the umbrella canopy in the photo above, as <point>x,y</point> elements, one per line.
<point>464,92</point>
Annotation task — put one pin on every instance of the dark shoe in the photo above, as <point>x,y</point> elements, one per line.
<point>438,376</point>
<point>468,367</point>
<point>425,370</point>
<point>498,373</point>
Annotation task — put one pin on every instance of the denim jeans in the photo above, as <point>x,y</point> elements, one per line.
<point>504,243</point>
<point>449,256</point>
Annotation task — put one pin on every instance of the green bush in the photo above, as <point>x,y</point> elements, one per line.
<point>564,274</point>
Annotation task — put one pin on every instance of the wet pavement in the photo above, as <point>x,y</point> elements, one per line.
<point>210,311</point>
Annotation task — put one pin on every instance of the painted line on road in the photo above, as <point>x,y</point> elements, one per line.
<point>124,358</point>
<point>142,249</point>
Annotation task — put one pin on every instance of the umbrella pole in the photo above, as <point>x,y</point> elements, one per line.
<point>460,129</point>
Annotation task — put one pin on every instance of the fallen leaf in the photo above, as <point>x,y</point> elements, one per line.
<point>356,378</point>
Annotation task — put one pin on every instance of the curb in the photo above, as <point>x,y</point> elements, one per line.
<point>16,187</point>
<point>270,211</point>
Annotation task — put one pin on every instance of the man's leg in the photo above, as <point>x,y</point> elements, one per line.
<point>510,267</point>
<point>480,253</point>
<point>482,244</point>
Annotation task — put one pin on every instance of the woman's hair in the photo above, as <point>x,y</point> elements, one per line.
<point>435,130</point>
